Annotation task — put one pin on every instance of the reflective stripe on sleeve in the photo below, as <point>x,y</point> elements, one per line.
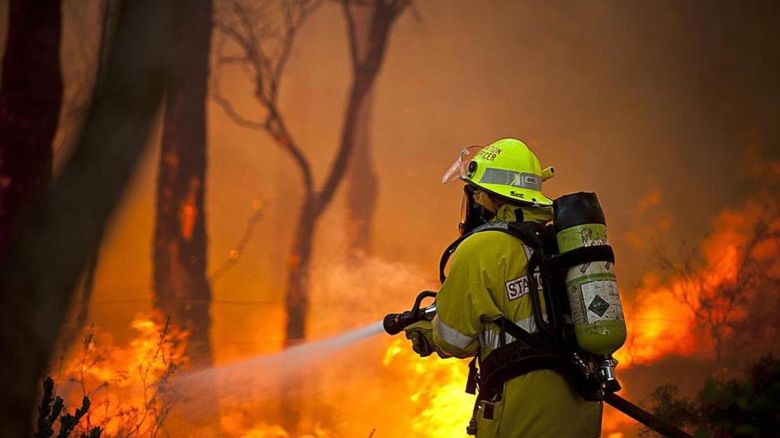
<point>490,338</point>
<point>452,336</point>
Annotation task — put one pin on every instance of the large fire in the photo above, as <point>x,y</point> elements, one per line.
<point>681,314</point>
<point>421,397</point>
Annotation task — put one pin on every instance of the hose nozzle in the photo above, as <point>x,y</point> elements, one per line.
<point>394,323</point>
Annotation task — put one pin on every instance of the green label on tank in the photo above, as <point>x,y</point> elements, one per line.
<point>602,301</point>
<point>581,235</point>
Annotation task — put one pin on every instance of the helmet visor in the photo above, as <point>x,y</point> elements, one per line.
<point>459,169</point>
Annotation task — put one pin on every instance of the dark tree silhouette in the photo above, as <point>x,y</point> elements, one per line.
<point>63,228</point>
<point>181,289</point>
<point>263,52</point>
<point>75,109</point>
<point>30,101</point>
<point>368,25</point>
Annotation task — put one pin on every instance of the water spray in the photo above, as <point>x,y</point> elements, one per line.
<point>248,374</point>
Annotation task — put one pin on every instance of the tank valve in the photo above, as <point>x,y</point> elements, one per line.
<point>607,374</point>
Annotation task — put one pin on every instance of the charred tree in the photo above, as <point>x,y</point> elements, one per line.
<point>181,289</point>
<point>367,27</point>
<point>362,187</point>
<point>30,101</point>
<point>78,108</point>
<point>63,228</point>
<point>264,53</point>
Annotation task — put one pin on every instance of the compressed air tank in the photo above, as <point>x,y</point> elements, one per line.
<point>591,287</point>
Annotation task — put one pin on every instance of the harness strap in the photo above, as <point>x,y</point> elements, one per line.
<point>533,352</point>
<point>578,256</point>
<point>513,360</point>
<point>530,233</point>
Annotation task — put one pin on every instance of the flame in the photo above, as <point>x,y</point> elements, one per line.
<point>423,397</point>
<point>124,383</point>
<point>189,209</point>
<point>666,317</point>
<point>443,407</point>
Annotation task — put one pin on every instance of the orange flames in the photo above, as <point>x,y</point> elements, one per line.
<point>668,317</point>
<point>381,387</point>
<point>126,384</point>
<point>443,407</point>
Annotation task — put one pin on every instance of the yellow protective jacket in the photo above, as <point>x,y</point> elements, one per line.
<point>488,279</point>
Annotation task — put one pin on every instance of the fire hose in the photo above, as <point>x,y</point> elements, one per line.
<point>394,323</point>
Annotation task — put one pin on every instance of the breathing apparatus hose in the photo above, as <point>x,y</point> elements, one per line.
<point>644,417</point>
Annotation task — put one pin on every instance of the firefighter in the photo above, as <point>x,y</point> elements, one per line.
<point>488,278</point>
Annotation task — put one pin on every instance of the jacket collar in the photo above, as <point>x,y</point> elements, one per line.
<point>516,213</point>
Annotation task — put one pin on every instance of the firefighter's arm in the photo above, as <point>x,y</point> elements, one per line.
<point>463,299</point>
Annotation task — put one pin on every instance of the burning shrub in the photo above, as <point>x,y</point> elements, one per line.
<point>714,293</point>
<point>129,386</point>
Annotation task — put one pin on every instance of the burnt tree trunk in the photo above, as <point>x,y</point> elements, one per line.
<point>30,101</point>
<point>299,263</point>
<point>362,180</point>
<point>363,185</point>
<point>365,68</point>
<point>297,293</point>
<point>181,288</point>
<point>72,331</point>
<point>64,226</point>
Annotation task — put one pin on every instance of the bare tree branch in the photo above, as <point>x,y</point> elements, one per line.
<point>234,115</point>
<point>265,40</point>
<point>238,249</point>
<point>239,23</point>
<point>353,49</point>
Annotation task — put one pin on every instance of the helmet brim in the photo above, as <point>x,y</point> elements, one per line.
<point>517,195</point>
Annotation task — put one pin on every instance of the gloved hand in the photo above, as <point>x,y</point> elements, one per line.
<point>421,335</point>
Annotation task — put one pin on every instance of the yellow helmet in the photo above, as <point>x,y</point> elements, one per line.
<point>506,168</point>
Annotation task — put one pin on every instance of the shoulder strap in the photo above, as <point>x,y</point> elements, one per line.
<point>532,234</point>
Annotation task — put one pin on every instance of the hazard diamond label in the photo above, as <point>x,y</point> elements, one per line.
<point>597,301</point>
<point>598,306</point>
